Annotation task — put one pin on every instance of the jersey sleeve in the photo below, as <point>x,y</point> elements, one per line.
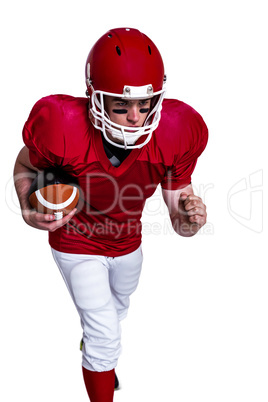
<point>55,130</point>
<point>190,136</point>
<point>43,136</point>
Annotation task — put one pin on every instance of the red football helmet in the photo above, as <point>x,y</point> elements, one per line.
<point>125,63</point>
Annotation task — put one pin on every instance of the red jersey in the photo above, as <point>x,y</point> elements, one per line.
<point>59,133</point>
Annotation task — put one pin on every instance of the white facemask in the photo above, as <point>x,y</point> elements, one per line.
<point>127,136</point>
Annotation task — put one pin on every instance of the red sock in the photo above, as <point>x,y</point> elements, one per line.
<point>99,385</point>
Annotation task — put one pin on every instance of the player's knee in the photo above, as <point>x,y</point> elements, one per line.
<point>90,285</point>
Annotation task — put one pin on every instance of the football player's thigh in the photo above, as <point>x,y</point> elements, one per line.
<point>86,278</point>
<point>125,274</point>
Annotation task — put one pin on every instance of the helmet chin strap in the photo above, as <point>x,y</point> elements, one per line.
<point>122,139</point>
<point>124,142</point>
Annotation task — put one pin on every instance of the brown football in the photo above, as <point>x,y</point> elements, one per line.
<point>51,193</point>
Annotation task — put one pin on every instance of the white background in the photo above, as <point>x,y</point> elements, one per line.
<point>197,328</point>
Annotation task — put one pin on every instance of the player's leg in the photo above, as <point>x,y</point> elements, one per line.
<point>88,282</point>
<point>124,274</point>
<point>99,385</point>
<point>116,381</point>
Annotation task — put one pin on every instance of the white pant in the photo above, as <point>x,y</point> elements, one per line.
<point>100,288</point>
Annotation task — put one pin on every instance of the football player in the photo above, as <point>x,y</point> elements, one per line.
<point>120,142</point>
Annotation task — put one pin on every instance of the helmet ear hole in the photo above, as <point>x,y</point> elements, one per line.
<point>150,50</point>
<point>118,50</point>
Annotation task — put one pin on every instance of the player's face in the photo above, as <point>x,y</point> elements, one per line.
<point>129,113</point>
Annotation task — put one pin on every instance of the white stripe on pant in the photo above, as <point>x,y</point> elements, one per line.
<point>100,288</point>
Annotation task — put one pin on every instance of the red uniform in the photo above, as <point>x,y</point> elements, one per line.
<point>58,132</point>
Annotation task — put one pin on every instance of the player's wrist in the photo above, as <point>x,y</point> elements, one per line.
<point>26,215</point>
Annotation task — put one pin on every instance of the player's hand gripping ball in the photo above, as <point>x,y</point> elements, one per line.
<point>53,191</point>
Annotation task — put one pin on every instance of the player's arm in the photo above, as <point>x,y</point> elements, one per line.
<point>187,211</point>
<point>24,174</point>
